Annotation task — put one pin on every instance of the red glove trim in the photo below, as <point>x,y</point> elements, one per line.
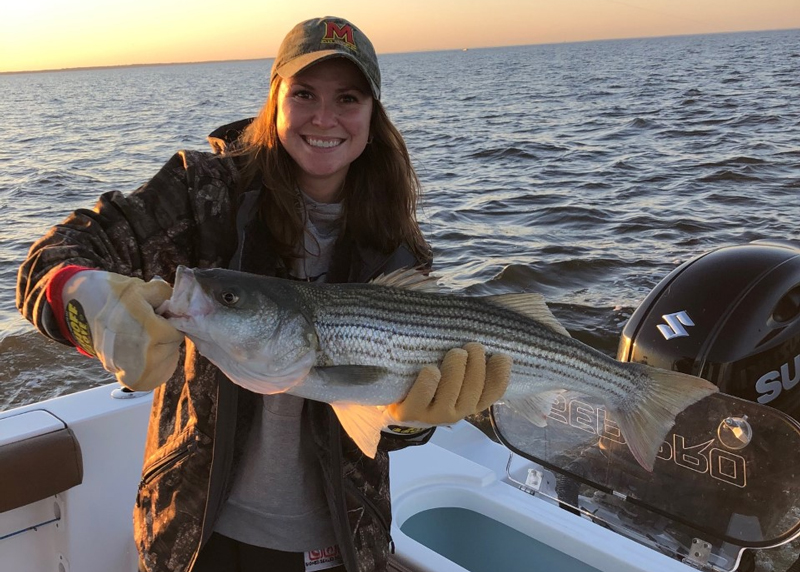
<point>55,297</point>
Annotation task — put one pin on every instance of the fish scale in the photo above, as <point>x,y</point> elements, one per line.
<point>358,346</point>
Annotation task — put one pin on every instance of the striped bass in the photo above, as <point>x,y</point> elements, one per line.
<point>361,346</point>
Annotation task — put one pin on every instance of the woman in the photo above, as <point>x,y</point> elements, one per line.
<point>318,187</point>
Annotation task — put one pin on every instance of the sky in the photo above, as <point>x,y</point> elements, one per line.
<point>58,34</point>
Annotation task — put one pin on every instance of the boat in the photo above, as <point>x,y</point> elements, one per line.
<point>463,502</point>
<point>497,493</point>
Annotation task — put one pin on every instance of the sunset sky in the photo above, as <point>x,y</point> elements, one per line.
<point>55,34</point>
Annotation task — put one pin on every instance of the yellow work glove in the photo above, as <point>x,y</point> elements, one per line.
<point>464,384</point>
<point>113,317</point>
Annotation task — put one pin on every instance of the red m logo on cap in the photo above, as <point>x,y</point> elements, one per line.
<point>334,33</point>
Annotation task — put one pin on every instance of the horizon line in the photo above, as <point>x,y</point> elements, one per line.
<point>153,64</point>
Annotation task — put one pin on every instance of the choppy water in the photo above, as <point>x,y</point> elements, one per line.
<point>582,171</point>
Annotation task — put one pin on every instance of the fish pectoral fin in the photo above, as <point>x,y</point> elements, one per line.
<point>536,408</point>
<point>351,374</point>
<point>363,423</point>
<point>532,305</point>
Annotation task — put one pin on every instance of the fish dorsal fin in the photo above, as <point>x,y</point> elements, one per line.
<point>532,305</point>
<point>409,279</point>
<point>363,423</point>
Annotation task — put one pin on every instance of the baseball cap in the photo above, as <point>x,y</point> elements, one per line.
<point>319,39</point>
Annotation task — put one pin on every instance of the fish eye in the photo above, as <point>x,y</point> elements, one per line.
<point>228,298</point>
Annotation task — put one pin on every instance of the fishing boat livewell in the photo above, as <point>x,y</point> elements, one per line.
<point>567,497</point>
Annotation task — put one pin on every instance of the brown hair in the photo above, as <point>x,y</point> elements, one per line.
<point>380,189</point>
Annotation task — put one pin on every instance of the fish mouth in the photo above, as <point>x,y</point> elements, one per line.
<point>188,301</point>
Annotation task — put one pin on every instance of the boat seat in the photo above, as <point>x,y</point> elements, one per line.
<point>39,457</point>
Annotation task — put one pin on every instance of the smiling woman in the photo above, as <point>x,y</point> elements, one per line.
<point>319,187</point>
<point>323,124</point>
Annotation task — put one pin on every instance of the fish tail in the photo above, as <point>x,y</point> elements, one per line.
<point>646,416</point>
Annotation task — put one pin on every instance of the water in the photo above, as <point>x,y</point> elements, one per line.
<point>582,171</point>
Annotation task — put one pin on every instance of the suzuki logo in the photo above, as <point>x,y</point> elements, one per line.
<point>770,385</point>
<point>674,327</point>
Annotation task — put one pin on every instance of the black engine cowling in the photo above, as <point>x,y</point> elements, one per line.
<point>731,316</point>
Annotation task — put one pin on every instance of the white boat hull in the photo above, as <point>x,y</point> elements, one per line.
<point>461,473</point>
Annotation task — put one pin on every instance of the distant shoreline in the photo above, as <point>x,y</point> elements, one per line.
<point>459,49</point>
<point>118,66</point>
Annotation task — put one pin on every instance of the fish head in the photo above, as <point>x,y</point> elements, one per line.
<point>251,327</point>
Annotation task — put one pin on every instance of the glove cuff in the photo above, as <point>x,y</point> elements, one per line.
<point>55,297</point>
<point>404,431</point>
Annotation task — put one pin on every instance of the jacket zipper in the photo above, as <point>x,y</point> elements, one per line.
<point>375,512</point>
<point>348,550</point>
<point>161,466</point>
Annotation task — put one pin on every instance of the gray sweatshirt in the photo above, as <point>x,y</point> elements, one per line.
<point>277,499</point>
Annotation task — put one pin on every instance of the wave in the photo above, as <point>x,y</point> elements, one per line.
<point>735,161</point>
<point>571,216</point>
<point>503,152</point>
<point>755,120</point>
<point>641,123</point>
<point>686,133</point>
<point>727,175</point>
<point>529,153</point>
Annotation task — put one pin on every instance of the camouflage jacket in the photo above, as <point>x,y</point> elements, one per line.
<point>186,215</point>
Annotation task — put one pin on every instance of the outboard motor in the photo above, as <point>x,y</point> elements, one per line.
<point>731,316</point>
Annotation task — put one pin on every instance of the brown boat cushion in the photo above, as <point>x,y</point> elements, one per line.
<point>38,467</point>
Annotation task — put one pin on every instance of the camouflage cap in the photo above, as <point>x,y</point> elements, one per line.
<point>312,41</point>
